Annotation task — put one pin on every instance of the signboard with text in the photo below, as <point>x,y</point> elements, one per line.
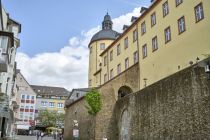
<point>76,133</point>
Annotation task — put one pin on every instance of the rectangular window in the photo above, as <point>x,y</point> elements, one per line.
<point>111,55</point>
<point>153,19</point>
<point>111,74</point>
<point>105,78</point>
<point>178,2</point>
<point>143,28</point>
<point>165,9</point>
<point>60,105</point>
<point>181,25</point>
<point>134,35</point>
<point>105,60</point>
<point>51,104</point>
<point>126,63</point>
<point>144,51</point>
<point>32,107</point>
<point>135,57</point>
<point>118,68</point>
<point>44,103</point>
<point>21,115</point>
<point>32,97</point>
<point>167,34</point>
<point>118,49</point>
<point>154,44</point>
<point>102,46</point>
<point>28,97</point>
<point>23,97</point>
<point>126,43</point>
<point>199,14</point>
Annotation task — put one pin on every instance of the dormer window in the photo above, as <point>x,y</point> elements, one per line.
<point>102,46</point>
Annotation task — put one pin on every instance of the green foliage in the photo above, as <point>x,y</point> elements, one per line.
<point>50,118</point>
<point>93,98</point>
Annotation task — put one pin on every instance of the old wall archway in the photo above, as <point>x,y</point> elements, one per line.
<point>123,91</point>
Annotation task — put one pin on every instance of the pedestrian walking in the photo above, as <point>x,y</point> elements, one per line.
<point>37,135</point>
<point>42,135</point>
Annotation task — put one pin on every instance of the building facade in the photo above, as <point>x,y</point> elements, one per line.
<point>26,100</point>
<point>168,36</point>
<point>9,42</point>
<point>50,98</point>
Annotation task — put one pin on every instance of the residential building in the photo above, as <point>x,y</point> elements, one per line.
<point>26,100</point>
<point>50,98</point>
<point>9,42</point>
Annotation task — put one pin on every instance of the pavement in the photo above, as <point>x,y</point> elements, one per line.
<point>22,137</point>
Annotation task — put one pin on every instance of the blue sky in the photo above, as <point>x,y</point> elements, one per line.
<point>47,25</point>
<point>56,33</point>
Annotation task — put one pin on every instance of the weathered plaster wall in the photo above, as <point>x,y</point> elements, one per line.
<point>177,107</point>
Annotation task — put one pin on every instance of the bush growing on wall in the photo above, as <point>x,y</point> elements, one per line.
<point>93,98</point>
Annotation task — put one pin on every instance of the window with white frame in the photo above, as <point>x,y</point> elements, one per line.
<point>154,43</point>
<point>178,2</point>
<point>111,55</point>
<point>118,49</point>
<point>32,97</point>
<point>44,103</point>
<point>134,35</point>
<point>126,43</point>
<point>118,68</point>
<point>22,106</point>
<point>167,34</point>
<point>28,97</point>
<point>102,46</point>
<point>181,25</point>
<point>165,9</point>
<point>127,63</point>
<point>135,57</point>
<point>111,74</point>
<point>60,105</point>
<point>27,107</point>
<point>21,115</point>
<point>143,28</point>
<point>144,51</point>
<point>51,104</point>
<point>199,13</point>
<point>153,19</point>
<point>32,107</point>
<point>22,97</point>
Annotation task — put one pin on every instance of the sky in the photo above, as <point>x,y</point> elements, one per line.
<point>55,36</point>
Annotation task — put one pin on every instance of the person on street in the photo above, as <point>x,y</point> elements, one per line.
<point>42,135</point>
<point>37,135</point>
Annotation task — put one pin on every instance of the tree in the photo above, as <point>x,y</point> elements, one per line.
<point>93,98</point>
<point>50,118</point>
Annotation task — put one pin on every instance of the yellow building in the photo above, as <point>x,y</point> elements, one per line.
<point>50,98</point>
<point>169,36</point>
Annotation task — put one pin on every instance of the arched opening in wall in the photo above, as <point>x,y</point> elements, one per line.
<point>125,126</point>
<point>123,91</point>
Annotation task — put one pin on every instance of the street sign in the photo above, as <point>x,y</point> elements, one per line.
<point>76,133</point>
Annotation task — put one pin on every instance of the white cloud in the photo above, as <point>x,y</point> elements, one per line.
<point>69,67</point>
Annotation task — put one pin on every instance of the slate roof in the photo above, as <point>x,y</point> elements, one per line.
<point>105,34</point>
<point>48,90</point>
